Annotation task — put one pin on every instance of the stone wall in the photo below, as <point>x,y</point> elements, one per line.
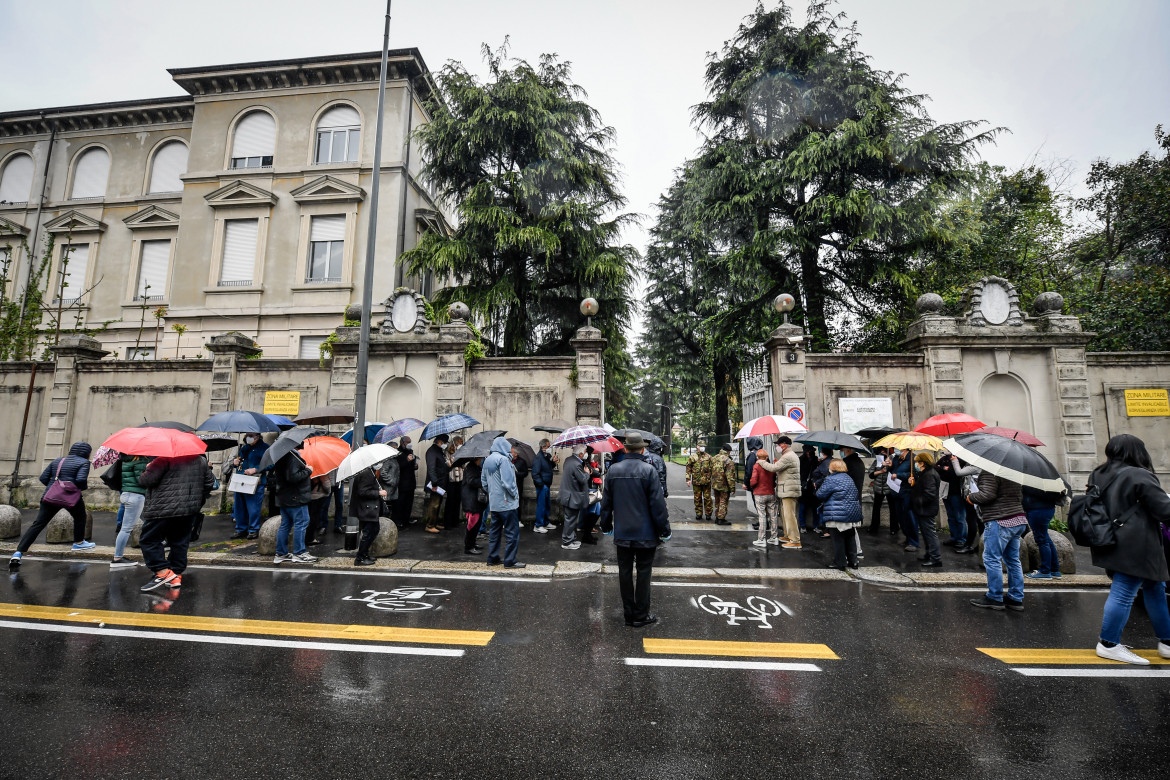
<point>1110,374</point>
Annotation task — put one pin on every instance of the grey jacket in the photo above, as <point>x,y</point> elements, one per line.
<point>574,484</point>
<point>997,498</point>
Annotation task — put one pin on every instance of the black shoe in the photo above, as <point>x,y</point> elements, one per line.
<point>854,565</point>
<point>493,561</point>
<point>698,518</point>
<point>516,565</point>
<point>725,521</point>
<point>923,558</point>
<point>929,564</point>
<point>646,621</point>
<point>949,543</point>
<point>1013,605</point>
<point>364,562</point>
<point>474,551</point>
<point>253,535</point>
<point>338,529</point>
<point>872,530</point>
<point>964,550</point>
<point>986,603</point>
<point>240,535</point>
<point>710,518</point>
<point>834,566</point>
<point>755,526</point>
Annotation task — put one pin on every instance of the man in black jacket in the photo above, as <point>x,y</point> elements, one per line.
<point>754,445</point>
<point>542,478</point>
<point>437,483</point>
<point>634,511</point>
<point>407,480</point>
<point>175,491</point>
<point>366,495</point>
<point>292,477</point>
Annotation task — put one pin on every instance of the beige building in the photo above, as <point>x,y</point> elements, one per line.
<point>240,206</point>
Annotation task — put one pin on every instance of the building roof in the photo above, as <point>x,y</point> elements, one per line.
<point>89,116</point>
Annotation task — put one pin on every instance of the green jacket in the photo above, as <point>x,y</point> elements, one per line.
<point>723,473</point>
<point>132,468</point>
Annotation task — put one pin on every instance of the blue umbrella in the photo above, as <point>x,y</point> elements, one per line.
<point>283,422</point>
<point>371,431</point>
<point>448,423</point>
<point>397,428</point>
<point>238,422</point>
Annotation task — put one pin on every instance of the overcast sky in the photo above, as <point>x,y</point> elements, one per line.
<point>1072,79</point>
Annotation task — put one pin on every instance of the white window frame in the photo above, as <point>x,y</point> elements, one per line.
<point>82,291</point>
<point>4,169</point>
<point>146,188</point>
<point>222,216</point>
<point>255,161</point>
<point>353,143</point>
<point>304,248</point>
<point>333,248</point>
<point>73,173</point>
<point>139,253</point>
<point>315,342</point>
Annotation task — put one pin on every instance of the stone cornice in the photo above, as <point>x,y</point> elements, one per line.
<point>240,193</point>
<point>1001,340</point>
<point>327,189</point>
<point>152,217</point>
<point>97,116</point>
<point>75,222</point>
<point>10,228</point>
<point>868,360</point>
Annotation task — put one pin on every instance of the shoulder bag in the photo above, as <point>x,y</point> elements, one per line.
<point>62,493</point>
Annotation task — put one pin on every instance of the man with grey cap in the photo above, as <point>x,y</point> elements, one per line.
<point>634,511</point>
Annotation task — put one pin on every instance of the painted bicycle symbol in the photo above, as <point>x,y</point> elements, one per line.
<point>755,608</point>
<point>400,599</point>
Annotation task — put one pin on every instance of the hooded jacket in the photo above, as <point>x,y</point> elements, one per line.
<point>500,477</point>
<point>632,504</point>
<point>754,445</point>
<point>74,467</point>
<point>1139,550</point>
<point>176,487</point>
<point>655,460</point>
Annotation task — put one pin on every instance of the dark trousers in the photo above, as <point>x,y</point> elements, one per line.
<point>844,547</point>
<point>508,524</point>
<point>158,532</point>
<point>928,527</point>
<point>338,507</point>
<point>875,518</point>
<point>403,506</point>
<point>452,505</point>
<point>369,530</point>
<point>635,596</point>
<point>318,518</point>
<point>45,515</point>
<point>469,539</point>
<point>908,520</point>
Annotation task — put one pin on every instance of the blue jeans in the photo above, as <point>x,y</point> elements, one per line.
<point>509,523</point>
<point>246,510</point>
<point>1002,545</point>
<point>907,518</point>
<point>130,509</point>
<point>543,505</point>
<point>1038,519</point>
<point>121,514</point>
<point>956,518</point>
<point>296,519</point>
<point>1121,595</point>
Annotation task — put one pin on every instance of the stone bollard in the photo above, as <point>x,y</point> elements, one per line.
<point>136,535</point>
<point>60,529</point>
<point>1030,553</point>
<point>9,522</point>
<point>386,542</point>
<point>267,542</point>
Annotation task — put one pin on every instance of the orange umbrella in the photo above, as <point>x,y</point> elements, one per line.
<point>324,453</point>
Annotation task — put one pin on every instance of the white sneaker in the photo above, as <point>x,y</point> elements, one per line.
<point>1121,653</point>
<point>1163,650</point>
<point>760,543</point>
<point>774,541</point>
<point>304,558</point>
<point>540,529</point>
<point>571,546</point>
<point>282,558</point>
<point>551,526</point>
<point>123,563</point>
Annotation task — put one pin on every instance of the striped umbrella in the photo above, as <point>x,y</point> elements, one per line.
<point>581,434</point>
<point>448,423</point>
<point>397,428</point>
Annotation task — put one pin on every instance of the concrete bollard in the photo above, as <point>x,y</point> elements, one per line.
<point>9,522</point>
<point>60,528</point>
<point>136,535</point>
<point>386,542</point>
<point>1030,553</point>
<point>267,543</point>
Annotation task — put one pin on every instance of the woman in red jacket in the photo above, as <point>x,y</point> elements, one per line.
<point>763,486</point>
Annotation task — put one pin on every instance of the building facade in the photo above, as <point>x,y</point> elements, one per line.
<point>240,206</point>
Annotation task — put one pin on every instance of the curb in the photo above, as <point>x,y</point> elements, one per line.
<point>874,575</point>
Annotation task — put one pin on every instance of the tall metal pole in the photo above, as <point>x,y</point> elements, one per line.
<point>363,366</point>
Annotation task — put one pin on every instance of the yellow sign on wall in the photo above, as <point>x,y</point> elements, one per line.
<point>1147,403</point>
<point>286,402</point>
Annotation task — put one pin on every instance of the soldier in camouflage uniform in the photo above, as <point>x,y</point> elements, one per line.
<point>723,479</point>
<point>699,478</point>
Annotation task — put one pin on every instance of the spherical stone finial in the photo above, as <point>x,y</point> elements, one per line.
<point>353,312</point>
<point>459,311</point>
<point>784,303</point>
<point>590,307</point>
<point>1048,303</point>
<point>929,303</point>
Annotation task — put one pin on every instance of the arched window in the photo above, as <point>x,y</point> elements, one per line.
<point>16,179</point>
<point>338,133</point>
<point>170,162</point>
<point>90,174</point>
<point>255,141</point>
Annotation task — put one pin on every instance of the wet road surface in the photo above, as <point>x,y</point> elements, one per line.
<point>298,673</point>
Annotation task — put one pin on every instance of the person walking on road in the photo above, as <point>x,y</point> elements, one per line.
<point>634,511</point>
<point>407,481</point>
<point>699,478</point>
<point>1040,507</point>
<point>473,505</point>
<point>132,500</point>
<point>176,491</point>
<point>437,484</point>
<point>1004,525</point>
<point>366,496</point>
<point>504,498</point>
<point>723,479</point>
<point>64,479</point>
<point>840,513</point>
<point>574,498</point>
<point>542,478</point>
<point>763,487</point>
<point>787,469</point>
<point>1138,559</point>
<point>291,478</point>
<point>924,489</point>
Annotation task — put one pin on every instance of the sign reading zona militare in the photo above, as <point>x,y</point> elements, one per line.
<point>284,402</point>
<point>1147,403</point>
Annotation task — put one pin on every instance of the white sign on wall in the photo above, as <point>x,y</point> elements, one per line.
<point>854,414</point>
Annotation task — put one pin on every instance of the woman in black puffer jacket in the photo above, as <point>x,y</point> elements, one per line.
<point>74,469</point>
<point>472,506</point>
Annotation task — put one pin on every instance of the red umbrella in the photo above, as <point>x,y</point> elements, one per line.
<point>157,442</point>
<point>949,424</point>
<point>1022,437</point>
<point>607,445</point>
<point>324,453</point>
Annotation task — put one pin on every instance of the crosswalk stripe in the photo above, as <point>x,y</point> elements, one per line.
<point>243,626</point>
<point>744,649</point>
<point>1128,671</point>
<point>699,663</point>
<point>1075,656</point>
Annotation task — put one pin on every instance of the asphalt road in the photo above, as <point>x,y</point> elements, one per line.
<point>300,673</point>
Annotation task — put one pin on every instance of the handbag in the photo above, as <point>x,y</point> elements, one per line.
<point>62,493</point>
<point>481,496</point>
<point>196,527</point>
<point>112,477</point>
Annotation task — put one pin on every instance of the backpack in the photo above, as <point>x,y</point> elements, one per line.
<point>1089,520</point>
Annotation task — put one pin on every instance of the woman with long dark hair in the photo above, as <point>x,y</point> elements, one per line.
<point>1137,561</point>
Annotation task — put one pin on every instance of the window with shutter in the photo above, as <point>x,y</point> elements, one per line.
<point>255,141</point>
<point>239,252</point>
<point>152,270</point>
<point>170,162</point>
<point>90,174</point>
<point>16,179</point>
<point>310,347</point>
<point>338,135</point>
<point>326,242</point>
<point>140,353</point>
<point>74,259</point>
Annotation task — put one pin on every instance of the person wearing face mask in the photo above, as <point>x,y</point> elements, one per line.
<point>246,509</point>
<point>407,481</point>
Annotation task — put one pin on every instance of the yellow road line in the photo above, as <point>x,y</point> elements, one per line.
<point>1079,657</point>
<point>746,649</point>
<point>433,636</point>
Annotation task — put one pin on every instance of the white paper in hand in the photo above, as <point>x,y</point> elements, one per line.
<point>894,484</point>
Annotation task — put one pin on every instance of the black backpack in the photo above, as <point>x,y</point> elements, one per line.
<point>1089,520</point>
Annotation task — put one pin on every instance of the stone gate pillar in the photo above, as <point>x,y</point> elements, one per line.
<point>590,346</point>
<point>72,349</point>
<point>786,355</point>
<point>227,350</point>
<point>451,378</point>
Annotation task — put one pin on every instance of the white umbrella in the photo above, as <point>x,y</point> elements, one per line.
<point>770,425</point>
<point>363,458</point>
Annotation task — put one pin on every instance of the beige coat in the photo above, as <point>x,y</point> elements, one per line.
<point>787,470</point>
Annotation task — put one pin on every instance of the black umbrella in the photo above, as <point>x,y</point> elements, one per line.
<point>173,425</point>
<point>553,426</point>
<point>524,451</point>
<point>286,443</point>
<point>325,415</point>
<point>217,442</point>
<point>834,439</point>
<point>1008,459</point>
<point>478,446</point>
<point>649,437</point>
<point>878,432</point>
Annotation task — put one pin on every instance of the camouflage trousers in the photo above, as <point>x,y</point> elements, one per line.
<point>721,498</point>
<point>703,503</point>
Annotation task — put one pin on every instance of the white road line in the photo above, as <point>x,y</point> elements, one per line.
<point>231,640</point>
<point>698,663</point>
<point>715,584</point>
<point>1131,671</point>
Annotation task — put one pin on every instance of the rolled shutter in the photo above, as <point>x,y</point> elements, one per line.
<point>75,271</point>
<point>255,136</point>
<point>152,270</point>
<point>339,116</point>
<point>170,162</point>
<point>310,347</point>
<point>16,183</point>
<point>239,251</point>
<point>330,228</point>
<point>89,177</point>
